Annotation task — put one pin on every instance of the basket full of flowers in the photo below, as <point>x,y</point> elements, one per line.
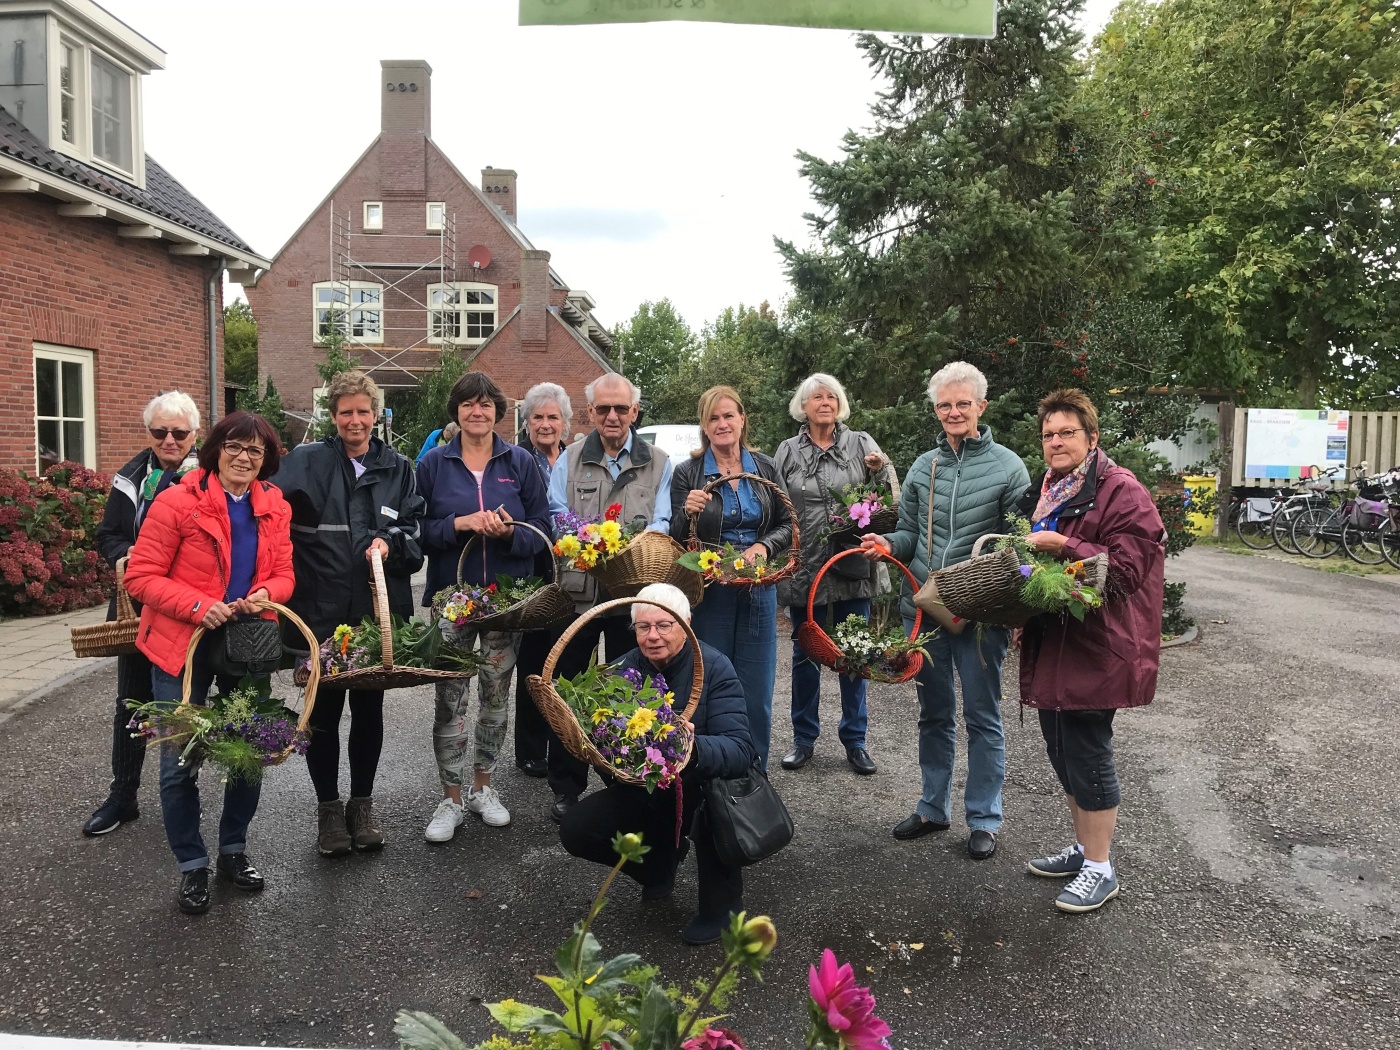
<point>725,564</point>
<point>509,604</point>
<point>623,558</point>
<point>619,719</point>
<point>863,508</point>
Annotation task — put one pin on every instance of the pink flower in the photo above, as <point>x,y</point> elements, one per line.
<point>714,1039</point>
<point>653,755</point>
<point>849,1009</point>
<point>860,513</point>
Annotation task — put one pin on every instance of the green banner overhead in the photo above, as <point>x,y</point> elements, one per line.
<point>973,18</point>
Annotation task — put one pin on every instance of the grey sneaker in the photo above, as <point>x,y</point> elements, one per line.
<point>1061,866</point>
<point>332,839</point>
<point>1089,891</point>
<point>364,830</point>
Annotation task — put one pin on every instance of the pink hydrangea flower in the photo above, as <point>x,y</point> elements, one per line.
<point>848,1008</point>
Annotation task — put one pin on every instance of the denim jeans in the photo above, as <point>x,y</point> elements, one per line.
<point>807,682</point>
<point>742,623</point>
<point>179,784</point>
<point>978,662</point>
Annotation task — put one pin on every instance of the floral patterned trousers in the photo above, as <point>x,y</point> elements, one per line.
<point>493,695</point>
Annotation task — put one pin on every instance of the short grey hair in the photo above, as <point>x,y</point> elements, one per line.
<point>538,394</point>
<point>610,378</point>
<point>955,373</point>
<point>666,595</point>
<point>172,403</point>
<point>809,386</point>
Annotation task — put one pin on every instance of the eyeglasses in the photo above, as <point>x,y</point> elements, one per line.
<point>1064,435</point>
<point>607,410</point>
<point>234,450</point>
<point>159,433</point>
<point>661,627</point>
<point>944,407</point>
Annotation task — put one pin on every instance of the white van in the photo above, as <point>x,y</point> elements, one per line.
<point>677,440</point>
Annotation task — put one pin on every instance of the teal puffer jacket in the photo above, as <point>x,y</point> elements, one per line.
<point>976,488</point>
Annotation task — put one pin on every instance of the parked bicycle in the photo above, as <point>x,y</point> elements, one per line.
<point>1352,526</point>
<point>1262,522</point>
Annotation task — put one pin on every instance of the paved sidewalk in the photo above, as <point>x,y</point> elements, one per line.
<point>36,654</point>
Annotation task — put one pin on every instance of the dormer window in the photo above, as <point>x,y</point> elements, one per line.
<point>111,113</point>
<point>68,93</point>
<point>96,106</point>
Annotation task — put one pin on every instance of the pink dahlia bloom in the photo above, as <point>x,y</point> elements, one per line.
<point>714,1039</point>
<point>849,1008</point>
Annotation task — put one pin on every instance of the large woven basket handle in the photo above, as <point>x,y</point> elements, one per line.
<point>379,593</point>
<point>977,547</point>
<point>125,611</point>
<point>694,542</point>
<point>697,682</point>
<point>817,579</point>
<point>548,544</point>
<point>313,679</point>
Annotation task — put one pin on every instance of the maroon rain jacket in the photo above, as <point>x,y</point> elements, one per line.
<point>1110,659</point>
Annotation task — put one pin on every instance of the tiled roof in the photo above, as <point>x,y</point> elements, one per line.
<point>163,196</point>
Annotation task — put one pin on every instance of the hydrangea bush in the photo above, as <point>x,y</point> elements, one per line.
<point>48,552</point>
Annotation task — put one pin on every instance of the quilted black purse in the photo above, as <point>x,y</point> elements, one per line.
<point>251,646</point>
<point>747,818</point>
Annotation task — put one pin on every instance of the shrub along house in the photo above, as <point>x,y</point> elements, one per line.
<point>406,257</point>
<point>110,270</point>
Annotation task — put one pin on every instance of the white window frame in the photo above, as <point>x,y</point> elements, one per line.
<point>434,227</point>
<point>462,308</point>
<point>81,145</point>
<point>86,358</point>
<point>378,224</point>
<point>349,307</point>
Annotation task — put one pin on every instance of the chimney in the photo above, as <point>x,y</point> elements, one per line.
<point>534,297</point>
<point>499,186</point>
<point>404,126</point>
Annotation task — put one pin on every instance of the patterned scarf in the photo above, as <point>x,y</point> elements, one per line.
<point>1055,494</point>
<point>153,479</point>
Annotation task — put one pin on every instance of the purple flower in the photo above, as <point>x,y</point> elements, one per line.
<point>1026,571</point>
<point>659,684</point>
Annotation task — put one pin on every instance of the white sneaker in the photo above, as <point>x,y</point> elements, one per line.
<point>486,804</point>
<point>447,818</point>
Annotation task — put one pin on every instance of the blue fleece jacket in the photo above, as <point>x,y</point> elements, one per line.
<point>511,481</point>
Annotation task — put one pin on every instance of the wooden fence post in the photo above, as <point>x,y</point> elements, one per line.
<point>1224,485</point>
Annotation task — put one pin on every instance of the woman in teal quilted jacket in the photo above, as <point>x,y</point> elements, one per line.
<point>974,483</point>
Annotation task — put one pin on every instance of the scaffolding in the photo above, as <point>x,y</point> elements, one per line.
<point>373,301</point>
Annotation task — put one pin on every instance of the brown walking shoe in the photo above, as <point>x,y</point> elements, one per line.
<point>364,830</point>
<point>333,839</point>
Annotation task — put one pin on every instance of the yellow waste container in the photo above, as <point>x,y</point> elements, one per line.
<point>1199,486</point>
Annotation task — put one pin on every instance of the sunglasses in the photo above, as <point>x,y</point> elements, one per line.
<point>159,433</point>
<point>607,410</point>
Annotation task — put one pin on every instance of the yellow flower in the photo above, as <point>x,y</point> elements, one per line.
<point>758,572</point>
<point>609,531</point>
<point>343,632</point>
<point>613,546</point>
<point>640,722</point>
<point>567,547</point>
<point>708,559</point>
<point>665,731</point>
<point>738,563</point>
<point>669,698</point>
<point>601,714</point>
<point>587,558</point>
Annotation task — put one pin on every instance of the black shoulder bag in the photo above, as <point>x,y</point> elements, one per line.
<point>251,646</point>
<point>747,818</point>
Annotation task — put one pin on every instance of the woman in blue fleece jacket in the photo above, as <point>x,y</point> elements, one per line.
<point>477,484</point>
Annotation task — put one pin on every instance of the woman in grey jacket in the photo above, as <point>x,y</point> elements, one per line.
<point>975,485</point>
<point>815,466</point>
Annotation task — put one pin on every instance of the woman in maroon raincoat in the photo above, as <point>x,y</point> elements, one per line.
<point>1079,673</point>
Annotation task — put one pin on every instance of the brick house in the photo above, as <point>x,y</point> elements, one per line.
<point>405,256</point>
<point>110,270</point>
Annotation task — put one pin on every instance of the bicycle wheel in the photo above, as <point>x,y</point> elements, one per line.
<point>1281,526</point>
<point>1390,542</point>
<point>1362,545</point>
<point>1317,532</point>
<point>1256,535</point>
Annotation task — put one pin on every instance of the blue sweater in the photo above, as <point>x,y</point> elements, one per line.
<point>243,559</point>
<point>511,481</point>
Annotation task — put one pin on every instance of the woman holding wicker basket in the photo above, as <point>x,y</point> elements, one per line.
<point>749,518</point>
<point>816,467</point>
<point>477,484</point>
<point>1078,673</point>
<point>211,548</point>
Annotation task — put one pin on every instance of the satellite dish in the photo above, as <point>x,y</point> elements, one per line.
<point>479,257</point>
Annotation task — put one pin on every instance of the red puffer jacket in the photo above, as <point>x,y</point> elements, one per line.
<point>180,564</point>
<point>1110,659</point>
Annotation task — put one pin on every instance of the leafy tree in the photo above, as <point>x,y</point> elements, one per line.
<point>651,346</point>
<point>420,411</point>
<point>269,406</point>
<point>1272,127</point>
<point>240,344</point>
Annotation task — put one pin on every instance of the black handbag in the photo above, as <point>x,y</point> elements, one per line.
<point>748,820</point>
<point>251,646</point>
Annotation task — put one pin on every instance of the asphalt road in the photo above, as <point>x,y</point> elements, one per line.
<point>1259,852</point>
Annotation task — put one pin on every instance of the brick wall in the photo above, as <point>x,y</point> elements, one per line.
<point>142,312</point>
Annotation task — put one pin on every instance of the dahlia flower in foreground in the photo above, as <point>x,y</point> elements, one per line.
<point>843,1009</point>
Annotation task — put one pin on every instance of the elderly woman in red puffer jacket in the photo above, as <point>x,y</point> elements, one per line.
<point>210,547</point>
<point>1079,673</point>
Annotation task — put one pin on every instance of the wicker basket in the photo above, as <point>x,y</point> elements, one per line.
<point>818,644</point>
<point>884,520</point>
<point>649,558</point>
<point>987,587</point>
<point>387,675</point>
<point>115,637</point>
<point>308,685</point>
<point>547,607</point>
<point>560,715</point>
<point>794,553</point>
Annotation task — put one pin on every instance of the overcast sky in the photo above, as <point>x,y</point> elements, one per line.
<point>655,160</point>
